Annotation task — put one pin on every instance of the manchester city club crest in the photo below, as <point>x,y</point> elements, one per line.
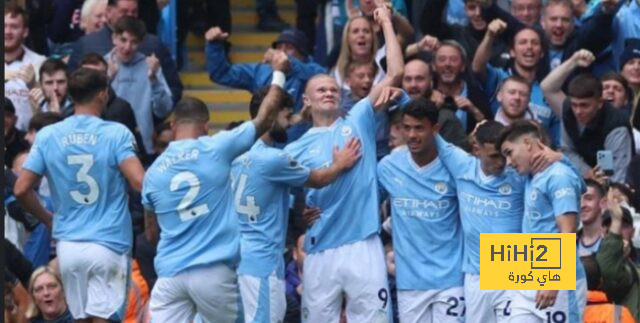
<point>505,189</point>
<point>441,187</point>
<point>346,131</point>
<point>534,195</point>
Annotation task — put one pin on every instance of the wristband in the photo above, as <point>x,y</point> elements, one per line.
<point>278,79</point>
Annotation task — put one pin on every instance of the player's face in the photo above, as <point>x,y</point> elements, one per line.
<point>125,46</point>
<point>360,81</point>
<point>279,130</point>
<point>15,32</point>
<point>416,79</point>
<point>527,11</point>
<point>491,160</point>
<point>48,296</point>
<point>614,93</point>
<point>323,95</point>
<point>448,64</point>
<point>518,154</point>
<point>527,49</point>
<point>474,13</point>
<point>419,134</point>
<point>591,205</point>
<point>630,71</point>
<point>514,99</point>
<point>54,84</point>
<point>558,23</point>
<point>360,38</point>
<point>585,109</point>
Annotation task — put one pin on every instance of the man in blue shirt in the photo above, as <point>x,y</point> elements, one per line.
<point>262,178</point>
<point>187,194</point>
<point>426,230</point>
<point>345,255</point>
<point>551,205</point>
<point>86,161</point>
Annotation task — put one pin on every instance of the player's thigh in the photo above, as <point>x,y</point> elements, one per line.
<point>321,288</point>
<point>74,271</point>
<point>170,300</point>
<point>449,305</point>
<point>414,306</point>
<point>484,305</point>
<point>278,299</point>
<point>524,308</point>
<point>220,283</point>
<point>108,284</point>
<point>263,298</point>
<point>364,276</point>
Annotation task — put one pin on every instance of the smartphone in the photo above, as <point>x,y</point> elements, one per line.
<point>605,161</point>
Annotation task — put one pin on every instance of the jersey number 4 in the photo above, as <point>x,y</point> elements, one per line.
<point>185,209</point>
<point>251,210</point>
<point>82,176</point>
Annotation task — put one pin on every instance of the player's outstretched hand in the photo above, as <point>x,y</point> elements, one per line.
<point>545,298</point>
<point>389,94</point>
<point>346,157</point>
<point>310,215</point>
<point>545,157</point>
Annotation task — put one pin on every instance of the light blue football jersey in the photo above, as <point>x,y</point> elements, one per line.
<point>488,204</point>
<point>189,189</point>
<point>80,157</point>
<point>262,178</point>
<point>549,194</point>
<point>350,204</point>
<point>427,234</point>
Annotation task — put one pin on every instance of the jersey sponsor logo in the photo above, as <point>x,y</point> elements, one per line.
<point>441,187</point>
<point>485,202</point>
<point>534,215</point>
<point>420,208</point>
<point>564,192</point>
<point>505,189</point>
<point>346,131</point>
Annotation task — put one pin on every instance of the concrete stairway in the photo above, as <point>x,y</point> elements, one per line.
<point>227,104</point>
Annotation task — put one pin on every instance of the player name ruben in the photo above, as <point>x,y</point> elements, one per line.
<point>80,139</point>
<point>169,161</point>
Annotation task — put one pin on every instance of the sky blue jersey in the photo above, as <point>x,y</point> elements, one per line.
<point>189,189</point>
<point>426,229</point>
<point>262,178</point>
<point>350,204</point>
<point>80,157</point>
<point>488,204</point>
<point>551,193</point>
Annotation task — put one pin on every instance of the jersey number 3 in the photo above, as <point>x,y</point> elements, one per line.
<point>186,211</point>
<point>82,176</point>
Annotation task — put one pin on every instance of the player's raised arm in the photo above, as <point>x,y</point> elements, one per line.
<point>273,101</point>
<point>395,60</point>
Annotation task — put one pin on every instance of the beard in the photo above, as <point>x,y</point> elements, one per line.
<point>278,135</point>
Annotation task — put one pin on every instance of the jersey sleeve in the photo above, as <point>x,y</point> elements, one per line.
<point>282,168</point>
<point>147,187</point>
<point>35,160</point>
<point>363,116</point>
<point>383,174</point>
<point>564,194</point>
<point>454,158</point>
<point>237,141</point>
<point>125,145</point>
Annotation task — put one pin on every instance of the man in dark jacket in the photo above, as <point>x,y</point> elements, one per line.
<point>101,43</point>
<point>13,138</point>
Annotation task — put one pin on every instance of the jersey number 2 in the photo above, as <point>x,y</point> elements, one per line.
<point>82,176</point>
<point>186,211</point>
<point>250,209</point>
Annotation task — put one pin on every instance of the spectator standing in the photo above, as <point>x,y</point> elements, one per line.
<point>14,140</point>
<point>52,94</point>
<point>593,203</point>
<point>93,15</point>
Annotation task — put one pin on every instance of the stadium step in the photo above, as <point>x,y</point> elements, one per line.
<point>248,46</point>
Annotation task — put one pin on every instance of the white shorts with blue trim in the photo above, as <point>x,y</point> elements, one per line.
<point>568,307</point>
<point>95,279</point>
<point>211,292</point>
<point>263,299</point>
<point>485,306</point>
<point>431,306</point>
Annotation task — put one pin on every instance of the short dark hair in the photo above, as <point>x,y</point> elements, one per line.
<point>191,110</point>
<point>518,79</point>
<point>52,65</point>
<point>355,64</point>
<point>585,86</point>
<point>132,25</point>
<point>115,2</point>
<point>8,106</point>
<point>85,84</point>
<point>541,36</point>
<point>93,59</point>
<point>613,76</point>
<point>599,188</point>
<point>592,271</point>
<point>516,130</point>
<point>421,108</point>
<point>43,119</point>
<point>258,97</point>
<point>13,9</point>
<point>489,132</point>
